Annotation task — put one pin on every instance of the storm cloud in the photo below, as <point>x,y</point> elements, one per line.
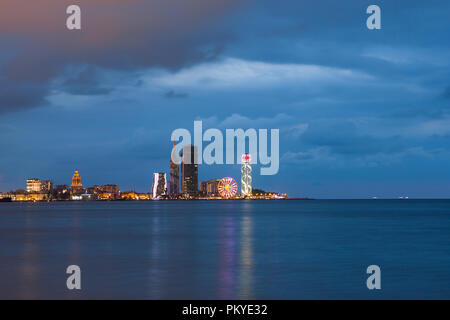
<point>115,34</point>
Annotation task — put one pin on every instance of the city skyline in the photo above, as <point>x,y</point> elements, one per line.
<point>185,174</point>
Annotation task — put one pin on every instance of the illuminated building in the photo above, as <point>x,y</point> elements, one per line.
<point>61,192</point>
<point>131,195</point>
<point>111,189</point>
<point>19,197</point>
<point>36,197</point>
<point>46,186</point>
<point>227,188</point>
<point>246,175</point>
<point>94,191</point>
<point>209,187</point>
<point>4,196</point>
<point>189,170</point>
<point>203,187</point>
<point>174,179</point>
<point>159,185</point>
<point>76,186</point>
<point>33,185</point>
<point>82,197</point>
<point>106,196</point>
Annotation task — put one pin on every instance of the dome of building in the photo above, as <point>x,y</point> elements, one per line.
<point>76,180</point>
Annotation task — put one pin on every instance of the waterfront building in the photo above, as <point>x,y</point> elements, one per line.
<point>46,186</point>
<point>82,197</point>
<point>132,195</point>
<point>189,170</point>
<point>33,185</point>
<point>246,175</point>
<point>19,197</point>
<point>94,191</point>
<point>209,187</point>
<point>203,186</point>
<point>106,196</point>
<point>36,197</point>
<point>76,187</point>
<point>111,189</point>
<point>174,179</point>
<point>159,185</point>
<point>61,192</point>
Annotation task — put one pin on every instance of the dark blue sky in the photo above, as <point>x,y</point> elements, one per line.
<point>361,113</point>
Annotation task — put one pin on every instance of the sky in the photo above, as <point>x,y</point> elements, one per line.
<point>361,112</point>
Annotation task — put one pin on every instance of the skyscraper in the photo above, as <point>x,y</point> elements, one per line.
<point>189,170</point>
<point>246,175</point>
<point>159,185</point>
<point>174,182</point>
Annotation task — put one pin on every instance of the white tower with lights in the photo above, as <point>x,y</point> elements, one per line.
<point>246,175</point>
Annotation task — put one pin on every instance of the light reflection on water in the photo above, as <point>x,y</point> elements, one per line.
<point>29,265</point>
<point>225,250</point>
<point>245,277</point>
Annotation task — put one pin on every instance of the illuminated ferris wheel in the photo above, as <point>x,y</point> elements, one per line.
<point>227,188</point>
<point>246,175</point>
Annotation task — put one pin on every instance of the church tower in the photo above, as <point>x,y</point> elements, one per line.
<point>76,186</point>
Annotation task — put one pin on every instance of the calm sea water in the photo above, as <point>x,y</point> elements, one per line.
<point>226,249</point>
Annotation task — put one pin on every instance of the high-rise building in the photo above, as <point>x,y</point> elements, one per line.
<point>76,186</point>
<point>159,185</point>
<point>189,170</point>
<point>33,185</point>
<point>174,180</point>
<point>246,175</point>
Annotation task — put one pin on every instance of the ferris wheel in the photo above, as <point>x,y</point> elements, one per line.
<point>227,187</point>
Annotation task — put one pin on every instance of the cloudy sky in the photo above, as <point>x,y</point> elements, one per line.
<point>361,112</point>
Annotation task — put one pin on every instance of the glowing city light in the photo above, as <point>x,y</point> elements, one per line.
<point>246,175</point>
<point>227,188</point>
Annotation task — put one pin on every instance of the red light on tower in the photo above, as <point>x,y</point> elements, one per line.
<point>246,158</point>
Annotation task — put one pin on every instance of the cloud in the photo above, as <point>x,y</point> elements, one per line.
<point>297,130</point>
<point>237,120</point>
<point>21,95</point>
<point>175,95</point>
<point>405,55</point>
<point>85,82</point>
<point>324,156</point>
<point>446,94</point>
<point>115,34</point>
<point>238,73</point>
<point>313,155</point>
<point>432,127</point>
<point>344,137</point>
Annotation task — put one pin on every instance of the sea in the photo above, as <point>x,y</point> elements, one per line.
<point>231,249</point>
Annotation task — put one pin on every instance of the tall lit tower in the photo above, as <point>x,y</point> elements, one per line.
<point>246,175</point>
<point>159,185</point>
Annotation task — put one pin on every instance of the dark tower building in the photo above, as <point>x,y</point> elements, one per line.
<point>174,180</point>
<point>189,170</point>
